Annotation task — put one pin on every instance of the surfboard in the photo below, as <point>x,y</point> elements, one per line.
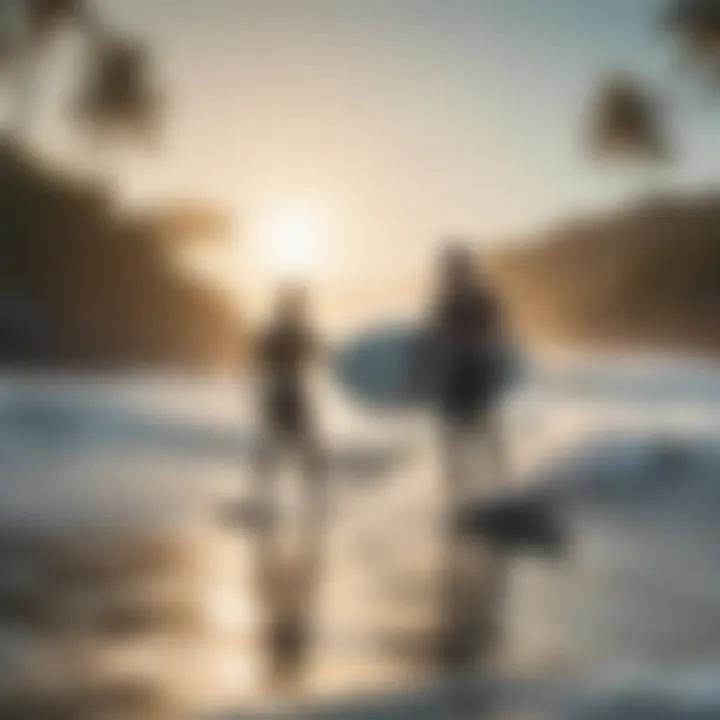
<point>377,367</point>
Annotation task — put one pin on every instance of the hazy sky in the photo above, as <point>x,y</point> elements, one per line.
<point>404,119</point>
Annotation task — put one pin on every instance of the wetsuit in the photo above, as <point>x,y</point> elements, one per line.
<point>283,355</point>
<point>465,332</point>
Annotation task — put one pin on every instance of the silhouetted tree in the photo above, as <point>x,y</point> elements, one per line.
<point>695,24</point>
<point>31,21</point>
<point>117,99</point>
<point>626,123</point>
<point>25,26</point>
<point>651,273</point>
<point>83,282</point>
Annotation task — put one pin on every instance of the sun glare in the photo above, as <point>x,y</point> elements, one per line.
<point>293,241</point>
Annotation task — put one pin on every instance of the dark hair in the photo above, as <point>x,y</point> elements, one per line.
<point>458,260</point>
<point>291,300</point>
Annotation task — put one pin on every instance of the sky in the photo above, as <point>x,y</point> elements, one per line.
<point>397,121</point>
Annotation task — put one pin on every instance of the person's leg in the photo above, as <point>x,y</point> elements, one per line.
<point>452,461</point>
<point>304,573</point>
<point>485,567</point>
<point>269,452</point>
<point>494,451</point>
<point>471,572</point>
<point>267,559</point>
<point>314,476</point>
<point>316,492</point>
<point>453,466</point>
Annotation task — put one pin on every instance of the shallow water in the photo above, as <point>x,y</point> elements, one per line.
<point>130,583</point>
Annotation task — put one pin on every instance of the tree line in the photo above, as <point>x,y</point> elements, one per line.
<point>84,282</point>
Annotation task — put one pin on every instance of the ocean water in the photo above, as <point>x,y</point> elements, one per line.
<point>135,576</point>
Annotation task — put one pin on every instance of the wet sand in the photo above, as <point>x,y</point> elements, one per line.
<point>128,592</point>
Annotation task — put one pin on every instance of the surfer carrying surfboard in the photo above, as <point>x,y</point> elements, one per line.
<point>461,359</point>
<point>284,354</point>
<point>461,353</point>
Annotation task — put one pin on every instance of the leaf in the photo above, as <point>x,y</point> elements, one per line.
<point>695,25</point>
<point>626,123</point>
<point>118,96</point>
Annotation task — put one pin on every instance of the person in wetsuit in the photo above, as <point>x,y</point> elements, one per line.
<point>462,351</point>
<point>463,347</point>
<point>285,352</point>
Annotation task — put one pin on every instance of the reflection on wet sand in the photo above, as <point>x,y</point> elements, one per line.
<point>128,594</point>
<point>287,582</point>
<point>94,617</point>
<point>472,577</point>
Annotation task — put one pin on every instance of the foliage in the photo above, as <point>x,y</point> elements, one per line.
<point>648,275</point>
<point>626,122</point>
<point>117,97</point>
<point>82,283</point>
<point>695,24</point>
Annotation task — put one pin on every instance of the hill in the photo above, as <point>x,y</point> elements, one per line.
<point>84,283</point>
<point>648,275</point>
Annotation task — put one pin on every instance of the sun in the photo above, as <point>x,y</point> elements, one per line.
<point>293,241</point>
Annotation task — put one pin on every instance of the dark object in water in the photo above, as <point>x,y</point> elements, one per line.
<point>515,524</point>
